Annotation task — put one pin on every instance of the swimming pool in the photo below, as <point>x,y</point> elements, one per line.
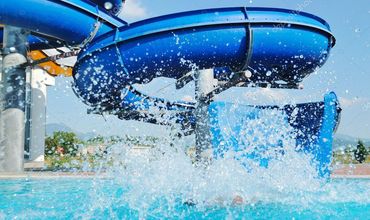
<point>98,198</point>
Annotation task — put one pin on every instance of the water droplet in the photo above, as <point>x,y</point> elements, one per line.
<point>108,5</point>
<point>9,89</point>
<point>248,74</point>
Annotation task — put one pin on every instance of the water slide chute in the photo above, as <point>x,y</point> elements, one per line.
<point>276,46</point>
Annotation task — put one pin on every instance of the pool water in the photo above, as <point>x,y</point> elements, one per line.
<point>98,198</point>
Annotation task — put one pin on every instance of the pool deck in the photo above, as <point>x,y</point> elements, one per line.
<point>355,171</point>
<point>49,175</point>
<point>352,171</point>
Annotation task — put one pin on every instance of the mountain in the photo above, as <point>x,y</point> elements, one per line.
<point>53,127</point>
<point>342,140</point>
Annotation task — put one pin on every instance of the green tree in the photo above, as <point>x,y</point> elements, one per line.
<point>67,141</point>
<point>96,140</point>
<point>360,153</point>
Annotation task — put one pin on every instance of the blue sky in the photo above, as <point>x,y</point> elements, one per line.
<point>347,71</point>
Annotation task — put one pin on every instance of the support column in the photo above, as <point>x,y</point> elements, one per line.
<point>39,80</point>
<point>12,119</point>
<point>204,84</point>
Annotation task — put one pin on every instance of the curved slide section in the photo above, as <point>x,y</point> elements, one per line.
<point>59,23</point>
<point>277,46</point>
<point>274,44</point>
<point>72,22</point>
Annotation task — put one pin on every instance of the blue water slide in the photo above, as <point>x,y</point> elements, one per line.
<point>316,124</point>
<point>310,125</point>
<point>72,22</point>
<point>274,44</point>
<point>37,42</point>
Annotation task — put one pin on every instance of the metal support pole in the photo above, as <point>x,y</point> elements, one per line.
<point>39,81</point>
<point>204,84</point>
<point>12,120</point>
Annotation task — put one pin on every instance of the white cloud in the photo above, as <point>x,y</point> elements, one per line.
<point>347,102</point>
<point>133,10</point>
<point>266,95</point>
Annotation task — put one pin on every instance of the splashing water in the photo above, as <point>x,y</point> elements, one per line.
<point>162,182</point>
<point>265,170</point>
